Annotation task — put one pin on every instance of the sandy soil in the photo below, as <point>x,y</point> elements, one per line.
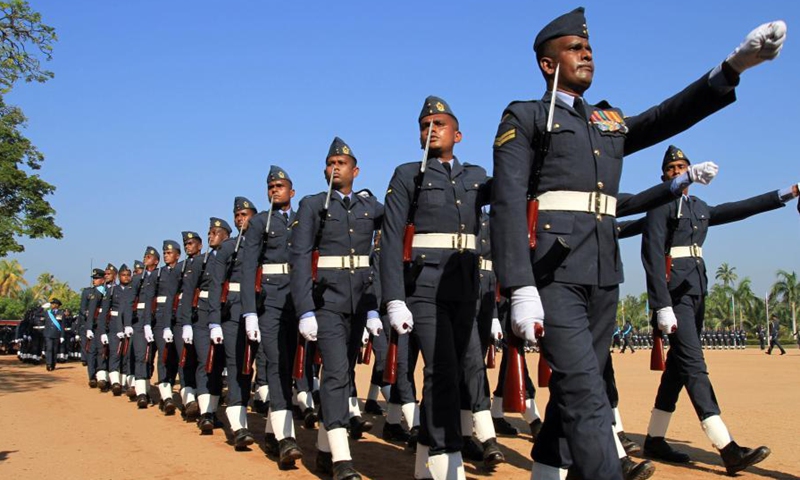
<point>54,426</point>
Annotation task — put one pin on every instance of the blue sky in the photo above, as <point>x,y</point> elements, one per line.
<point>161,112</point>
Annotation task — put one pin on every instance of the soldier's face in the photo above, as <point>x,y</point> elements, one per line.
<point>137,271</point>
<point>193,246</point>
<point>171,256</point>
<point>281,192</point>
<point>110,276</point>
<point>445,133</point>
<point>574,54</point>
<point>216,235</point>
<point>673,169</point>
<point>241,217</point>
<point>150,261</point>
<point>125,277</point>
<point>98,281</point>
<point>344,171</point>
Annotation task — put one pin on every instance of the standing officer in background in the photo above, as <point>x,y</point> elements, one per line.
<point>341,295</point>
<point>677,299</point>
<point>774,332</point>
<point>36,334</point>
<point>268,251</point>
<point>236,331</point>
<point>574,170</point>
<point>627,333</point>
<point>53,332</point>
<point>435,295</point>
<point>144,288</point>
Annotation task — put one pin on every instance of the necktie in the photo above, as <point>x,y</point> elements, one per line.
<point>346,201</point>
<point>577,105</point>
<point>286,217</point>
<point>447,167</point>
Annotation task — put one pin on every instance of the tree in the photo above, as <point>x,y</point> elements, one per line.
<point>727,275</point>
<point>44,287</point>
<point>787,291</point>
<point>23,210</point>
<point>745,301</point>
<point>11,278</point>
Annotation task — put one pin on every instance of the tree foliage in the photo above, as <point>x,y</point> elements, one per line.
<point>23,39</point>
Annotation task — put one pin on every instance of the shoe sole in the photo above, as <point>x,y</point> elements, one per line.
<point>206,429</point>
<point>755,460</point>
<point>169,409</point>
<point>290,457</point>
<point>494,460</point>
<point>645,472</point>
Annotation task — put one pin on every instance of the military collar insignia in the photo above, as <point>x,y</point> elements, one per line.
<point>608,121</point>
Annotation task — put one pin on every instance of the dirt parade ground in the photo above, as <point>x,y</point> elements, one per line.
<point>54,426</point>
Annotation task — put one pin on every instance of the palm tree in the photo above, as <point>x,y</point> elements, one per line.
<point>727,275</point>
<point>12,278</point>
<point>44,286</point>
<point>787,291</point>
<point>63,292</point>
<point>745,299</point>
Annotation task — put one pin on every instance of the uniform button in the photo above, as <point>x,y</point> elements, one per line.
<point>366,214</point>
<point>423,256</point>
<point>596,153</point>
<point>546,226</point>
<point>599,218</point>
<point>429,184</point>
<point>453,182</point>
<point>475,185</point>
<point>352,272</point>
<point>695,227</point>
<point>481,275</point>
<point>351,230</point>
<point>600,185</point>
<point>483,241</point>
<point>352,250</point>
<point>458,202</point>
<point>557,125</point>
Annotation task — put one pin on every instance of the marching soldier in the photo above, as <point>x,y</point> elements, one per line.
<point>90,311</point>
<point>774,332</point>
<point>226,321</point>
<point>339,228</point>
<point>66,349</point>
<point>129,358</point>
<point>54,334</point>
<point>143,287</point>
<point>679,230</point>
<point>101,339</point>
<point>266,248</point>
<point>187,365</point>
<point>116,307</point>
<point>572,166</point>
<point>36,333</point>
<point>435,295</point>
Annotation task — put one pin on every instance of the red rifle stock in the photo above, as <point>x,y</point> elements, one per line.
<point>514,386</point>
<point>223,299</point>
<point>247,368</point>
<point>544,372</point>
<point>408,241</point>
<point>165,354</point>
<point>196,298</point>
<point>317,356</point>
<point>367,356</point>
<point>126,343</point>
<point>490,356</point>
<point>657,361</point>
<point>210,358</point>
<point>533,220</point>
<point>390,372</point>
<point>298,368</point>
<point>182,361</point>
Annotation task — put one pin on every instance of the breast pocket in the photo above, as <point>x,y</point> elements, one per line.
<point>432,194</point>
<point>365,223</point>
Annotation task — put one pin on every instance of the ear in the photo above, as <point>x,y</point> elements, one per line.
<point>664,178</point>
<point>548,66</point>
<point>291,193</point>
<point>355,172</point>
<point>458,136</point>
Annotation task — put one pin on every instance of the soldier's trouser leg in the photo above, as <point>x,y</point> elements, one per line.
<point>404,391</point>
<point>279,337</point>
<point>234,339</point>
<point>91,357</point>
<point>380,345</point>
<point>167,371</point>
<point>84,353</point>
<point>442,330</point>
<point>62,349</point>
<point>685,366</point>
<point>611,383</point>
<point>474,383</point>
<point>37,345</point>
<point>114,358</point>
<point>50,347</point>
<point>187,373</point>
<point>261,379</point>
<point>530,390</point>
<point>578,328</point>
<point>139,345</point>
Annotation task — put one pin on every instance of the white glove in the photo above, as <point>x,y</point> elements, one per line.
<point>89,334</point>
<point>29,338</point>
<point>216,335</point>
<point>400,316</point>
<point>703,173</point>
<point>763,43</point>
<point>167,335</point>
<point>527,314</point>
<point>128,332</point>
<point>251,327</point>
<point>120,335</point>
<point>46,305</point>
<point>148,334</point>
<point>188,334</point>
<point>61,340</point>
<point>364,336</point>
<point>77,338</point>
<point>666,320</point>
<point>375,326</point>
<point>497,330</point>
<point>104,339</point>
<point>308,328</point>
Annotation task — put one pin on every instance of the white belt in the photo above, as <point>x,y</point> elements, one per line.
<point>454,241</point>
<point>114,313</point>
<point>203,294</point>
<point>590,202</point>
<point>345,261</point>
<point>38,328</point>
<point>161,299</point>
<point>275,268</point>
<point>140,305</point>
<point>686,252</point>
<point>233,287</point>
<point>485,264</point>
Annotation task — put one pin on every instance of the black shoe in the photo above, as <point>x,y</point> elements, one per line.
<point>491,453</point>
<point>738,458</point>
<point>637,471</point>
<point>310,419</point>
<point>394,432</point>
<point>289,453</point>
<point>217,422</point>
<point>242,439</point>
<point>83,363</point>
<point>191,411</point>
<point>297,414</point>
<point>372,407</point>
<point>657,448</point>
<point>116,389</point>
<point>271,446</point>
<point>142,401</point>
<point>502,427</point>
<point>783,353</point>
<point>472,450</point>
<point>344,470</point>
<point>131,393</point>
<point>167,406</point>
<point>324,462</point>
<point>536,427</point>
<point>260,407</point>
<point>206,423</point>
<point>93,383</point>
<point>358,426</point>
<point>413,437</point>
<point>103,386</point>
<point>629,445</point>
<point>50,368</point>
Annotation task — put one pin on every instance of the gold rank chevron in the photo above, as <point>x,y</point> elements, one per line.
<point>505,138</point>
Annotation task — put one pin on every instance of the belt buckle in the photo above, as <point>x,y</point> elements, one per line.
<point>460,242</point>
<point>598,201</point>
<point>352,260</point>
<point>694,249</point>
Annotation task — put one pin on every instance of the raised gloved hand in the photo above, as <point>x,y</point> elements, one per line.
<point>104,339</point>
<point>375,326</point>
<point>400,317</point>
<point>167,335</point>
<point>215,333</point>
<point>308,328</point>
<point>128,332</point>
<point>703,173</point>
<point>120,335</point>
<point>527,314</point>
<point>763,43</point>
<point>497,330</point>
<point>251,327</point>
<point>667,322</point>
<point>148,334</point>
<point>364,336</point>
<point>187,334</point>
<point>89,334</point>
